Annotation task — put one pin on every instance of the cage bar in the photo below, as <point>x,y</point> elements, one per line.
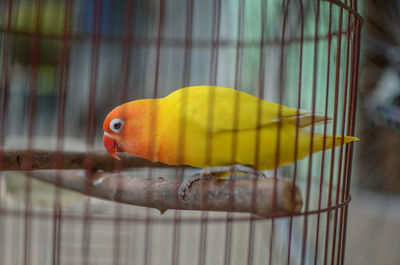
<point>66,64</point>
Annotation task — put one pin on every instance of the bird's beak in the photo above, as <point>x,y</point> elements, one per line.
<point>110,145</point>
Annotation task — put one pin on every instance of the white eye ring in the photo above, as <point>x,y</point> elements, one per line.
<point>116,125</point>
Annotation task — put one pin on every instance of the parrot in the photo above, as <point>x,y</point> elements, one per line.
<point>211,127</point>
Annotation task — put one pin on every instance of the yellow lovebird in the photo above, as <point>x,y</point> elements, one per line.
<point>209,126</point>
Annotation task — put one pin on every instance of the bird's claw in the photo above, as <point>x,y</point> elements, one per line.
<point>259,175</point>
<point>207,173</point>
<point>187,183</point>
<point>185,186</point>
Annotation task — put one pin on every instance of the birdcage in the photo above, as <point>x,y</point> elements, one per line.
<point>66,64</point>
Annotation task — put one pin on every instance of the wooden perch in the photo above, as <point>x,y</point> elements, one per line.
<point>157,193</point>
<point>162,193</point>
<point>42,159</point>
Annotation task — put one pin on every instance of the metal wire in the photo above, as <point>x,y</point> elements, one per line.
<point>319,40</point>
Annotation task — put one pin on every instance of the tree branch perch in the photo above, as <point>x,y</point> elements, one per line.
<point>162,193</point>
<point>272,196</point>
<point>44,159</point>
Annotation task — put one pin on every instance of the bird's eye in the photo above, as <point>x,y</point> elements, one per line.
<point>116,125</point>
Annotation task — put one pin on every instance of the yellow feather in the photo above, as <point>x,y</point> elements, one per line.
<point>216,126</point>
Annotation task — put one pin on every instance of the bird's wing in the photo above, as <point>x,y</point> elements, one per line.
<point>306,119</point>
<point>220,109</point>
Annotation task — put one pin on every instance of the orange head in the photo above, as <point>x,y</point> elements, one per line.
<point>125,128</point>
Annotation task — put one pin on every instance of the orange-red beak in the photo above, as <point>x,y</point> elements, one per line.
<point>111,146</point>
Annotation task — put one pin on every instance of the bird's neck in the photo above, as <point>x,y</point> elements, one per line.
<point>146,121</point>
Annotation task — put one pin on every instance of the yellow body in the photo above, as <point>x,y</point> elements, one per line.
<point>215,126</point>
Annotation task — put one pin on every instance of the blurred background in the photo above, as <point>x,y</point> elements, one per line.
<point>374,223</point>
<point>66,64</point>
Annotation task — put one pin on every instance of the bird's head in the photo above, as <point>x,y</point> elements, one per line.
<point>127,127</point>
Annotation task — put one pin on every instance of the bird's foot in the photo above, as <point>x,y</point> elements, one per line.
<point>186,183</point>
<point>237,168</point>
<point>209,172</point>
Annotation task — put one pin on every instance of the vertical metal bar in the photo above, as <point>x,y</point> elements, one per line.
<point>159,41</point>
<point>324,133</point>
<point>3,236</point>
<point>351,119</point>
<point>354,29</point>
<point>285,7</point>
<point>211,103</point>
<point>344,176</point>
<point>4,81</point>
<point>95,41</point>
<point>228,238</point>
<point>271,241</point>
<point>176,238</point>
<point>126,49</point>
<point>335,114</point>
<point>310,159</point>
<point>340,177</point>
<point>31,128</point>
<point>16,239</point>
<point>182,124</point>
<point>236,111</point>
<point>299,95</point>
<point>261,83</point>
<point>129,256</point>
<point>3,115</point>
<point>285,10</point>
<point>250,253</point>
<point>153,124</point>
<point>62,94</point>
<point>125,68</point>
<point>117,230</point>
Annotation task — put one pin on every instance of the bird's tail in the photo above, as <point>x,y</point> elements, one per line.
<point>318,144</point>
<point>346,139</point>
